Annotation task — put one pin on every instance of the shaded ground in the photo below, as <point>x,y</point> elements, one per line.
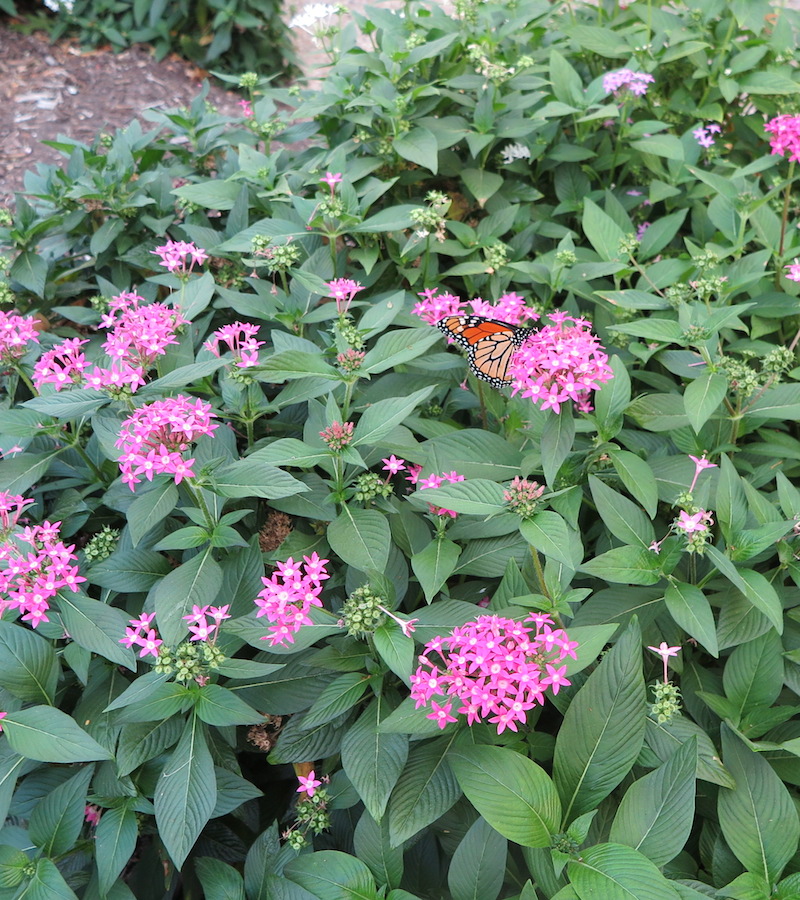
<point>51,89</point>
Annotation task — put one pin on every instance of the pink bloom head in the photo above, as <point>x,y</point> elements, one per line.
<point>240,339</point>
<point>497,668</point>
<point>343,290</point>
<point>665,651</point>
<point>794,271</point>
<point>560,362</point>
<point>785,131</point>
<point>288,596</point>
<point>154,438</point>
<point>2,716</point>
<point>247,108</point>
<point>332,179</point>
<point>435,306</point>
<point>16,333</point>
<point>91,814</point>
<point>435,481</point>
<point>392,465</point>
<point>180,256</point>
<point>308,784</point>
<point>338,435</point>
<point>625,81</point>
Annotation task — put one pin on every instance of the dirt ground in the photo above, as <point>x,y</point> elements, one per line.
<point>47,90</point>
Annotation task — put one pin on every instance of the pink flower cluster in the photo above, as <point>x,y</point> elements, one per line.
<point>30,579</point>
<point>140,634</point>
<point>156,435</point>
<point>139,334</point>
<point>627,80</point>
<point>704,134</point>
<point>343,290</point>
<point>496,668</point>
<point>794,271</point>
<point>559,362</point>
<point>200,628</point>
<point>11,508</point>
<point>338,435</point>
<point>247,108</point>
<point>15,333</point>
<point>434,481</point>
<point>289,594</point>
<point>785,131</point>
<point>240,339</point>
<point>176,254</point>
<point>695,523</point>
<point>509,308</point>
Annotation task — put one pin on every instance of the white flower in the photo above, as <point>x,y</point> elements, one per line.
<point>515,151</point>
<point>60,5</point>
<point>312,15</point>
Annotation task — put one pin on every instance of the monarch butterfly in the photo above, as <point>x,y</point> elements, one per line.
<point>490,344</point>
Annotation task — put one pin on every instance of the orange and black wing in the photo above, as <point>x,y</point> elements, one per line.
<point>490,344</point>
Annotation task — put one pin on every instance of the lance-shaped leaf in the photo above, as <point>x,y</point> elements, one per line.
<point>478,867</point>
<point>603,729</point>
<point>382,416</point>
<point>186,792</point>
<point>332,875</point>
<point>616,872</point>
<point>195,583</point>
<point>115,840</point>
<point>50,735</point>
<point>361,537</point>
<point>28,664</point>
<point>434,565</point>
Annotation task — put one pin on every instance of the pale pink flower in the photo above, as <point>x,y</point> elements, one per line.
<point>392,465</point>
<point>308,784</point>
<point>700,463</point>
<point>247,108</point>
<point>288,595</point>
<point>16,332</point>
<point>180,256</point>
<point>785,131</point>
<point>794,271</point>
<point>665,651</point>
<point>625,80</point>
<point>240,339</point>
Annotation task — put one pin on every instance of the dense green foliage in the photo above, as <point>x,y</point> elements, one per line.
<point>630,545</point>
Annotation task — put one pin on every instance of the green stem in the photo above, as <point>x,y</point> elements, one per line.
<point>786,196</point>
<point>76,445</point>
<point>26,381</point>
<point>197,496</point>
<point>537,565</point>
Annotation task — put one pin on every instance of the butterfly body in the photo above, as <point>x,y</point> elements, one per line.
<point>490,344</point>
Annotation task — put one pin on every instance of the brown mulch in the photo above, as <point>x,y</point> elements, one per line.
<point>47,90</point>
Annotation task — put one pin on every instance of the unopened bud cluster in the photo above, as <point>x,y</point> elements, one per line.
<point>667,703</point>
<point>190,661</point>
<point>369,486</point>
<point>361,612</point>
<point>102,544</point>
<point>312,817</point>
<point>522,497</point>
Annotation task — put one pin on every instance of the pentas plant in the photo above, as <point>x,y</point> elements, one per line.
<point>35,565</point>
<point>496,668</point>
<point>155,437</point>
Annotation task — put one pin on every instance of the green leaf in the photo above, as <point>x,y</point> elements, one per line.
<point>663,739</point>
<point>478,867</point>
<point>666,145</point>
<point>637,477</point>
<point>115,839</point>
<point>565,81</point>
<point>426,790</point>
<point>656,814</point>
<point>731,502</point>
<point>11,764</point>
<point>549,534</point>
<point>162,701</point>
<point>616,872</point>
<point>195,583</point>
<point>129,571</point>
<point>622,517</point>
<point>373,760</point>
<point>30,270</point>
<point>361,538</point>
<point>142,741</point>
<point>513,794</point>
<point>434,565</point>
<point>96,626</point>
<point>50,735</point>
<point>57,818</point>
<point>251,477</point>
<point>395,649</point>
<point>476,497</point>
<point>769,81</point>
<point>292,364</point>
<point>381,417</point>
<point>47,883</point>
<point>557,438</point>
<point>332,875</point>
<point>29,666</point>
<point>758,817</point>
<point>289,451</point>
<point>481,184</point>
<point>219,880</point>
<point>186,793</point>
<point>340,695</point>
<point>753,674</point>
<point>625,565</point>
<point>690,609</point>
<point>217,705</point>
<point>752,584</point>
<point>397,347</point>
<point>602,231</point>
<point>603,728</point>
<point>702,397</point>
<point>19,474</point>
<point>371,846</point>
<point>150,508</point>
<point>418,146</point>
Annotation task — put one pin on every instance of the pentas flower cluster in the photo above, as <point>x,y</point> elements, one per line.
<point>704,134</point>
<point>288,595</point>
<point>496,668</point>
<point>627,81</point>
<point>343,290</point>
<point>203,623</point>
<point>434,481</point>
<point>154,438</point>
<point>30,578</point>
<point>240,339</point>
<point>180,256</point>
<point>509,308</point>
<point>141,635</point>
<point>560,362</point>
<point>139,332</point>
<point>785,131</point>
<point>11,508</point>
<point>15,333</point>
<point>338,435</point>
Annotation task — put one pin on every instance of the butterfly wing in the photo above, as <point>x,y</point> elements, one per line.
<point>490,344</point>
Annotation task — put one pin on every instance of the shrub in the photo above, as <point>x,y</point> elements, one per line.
<point>223,354</point>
